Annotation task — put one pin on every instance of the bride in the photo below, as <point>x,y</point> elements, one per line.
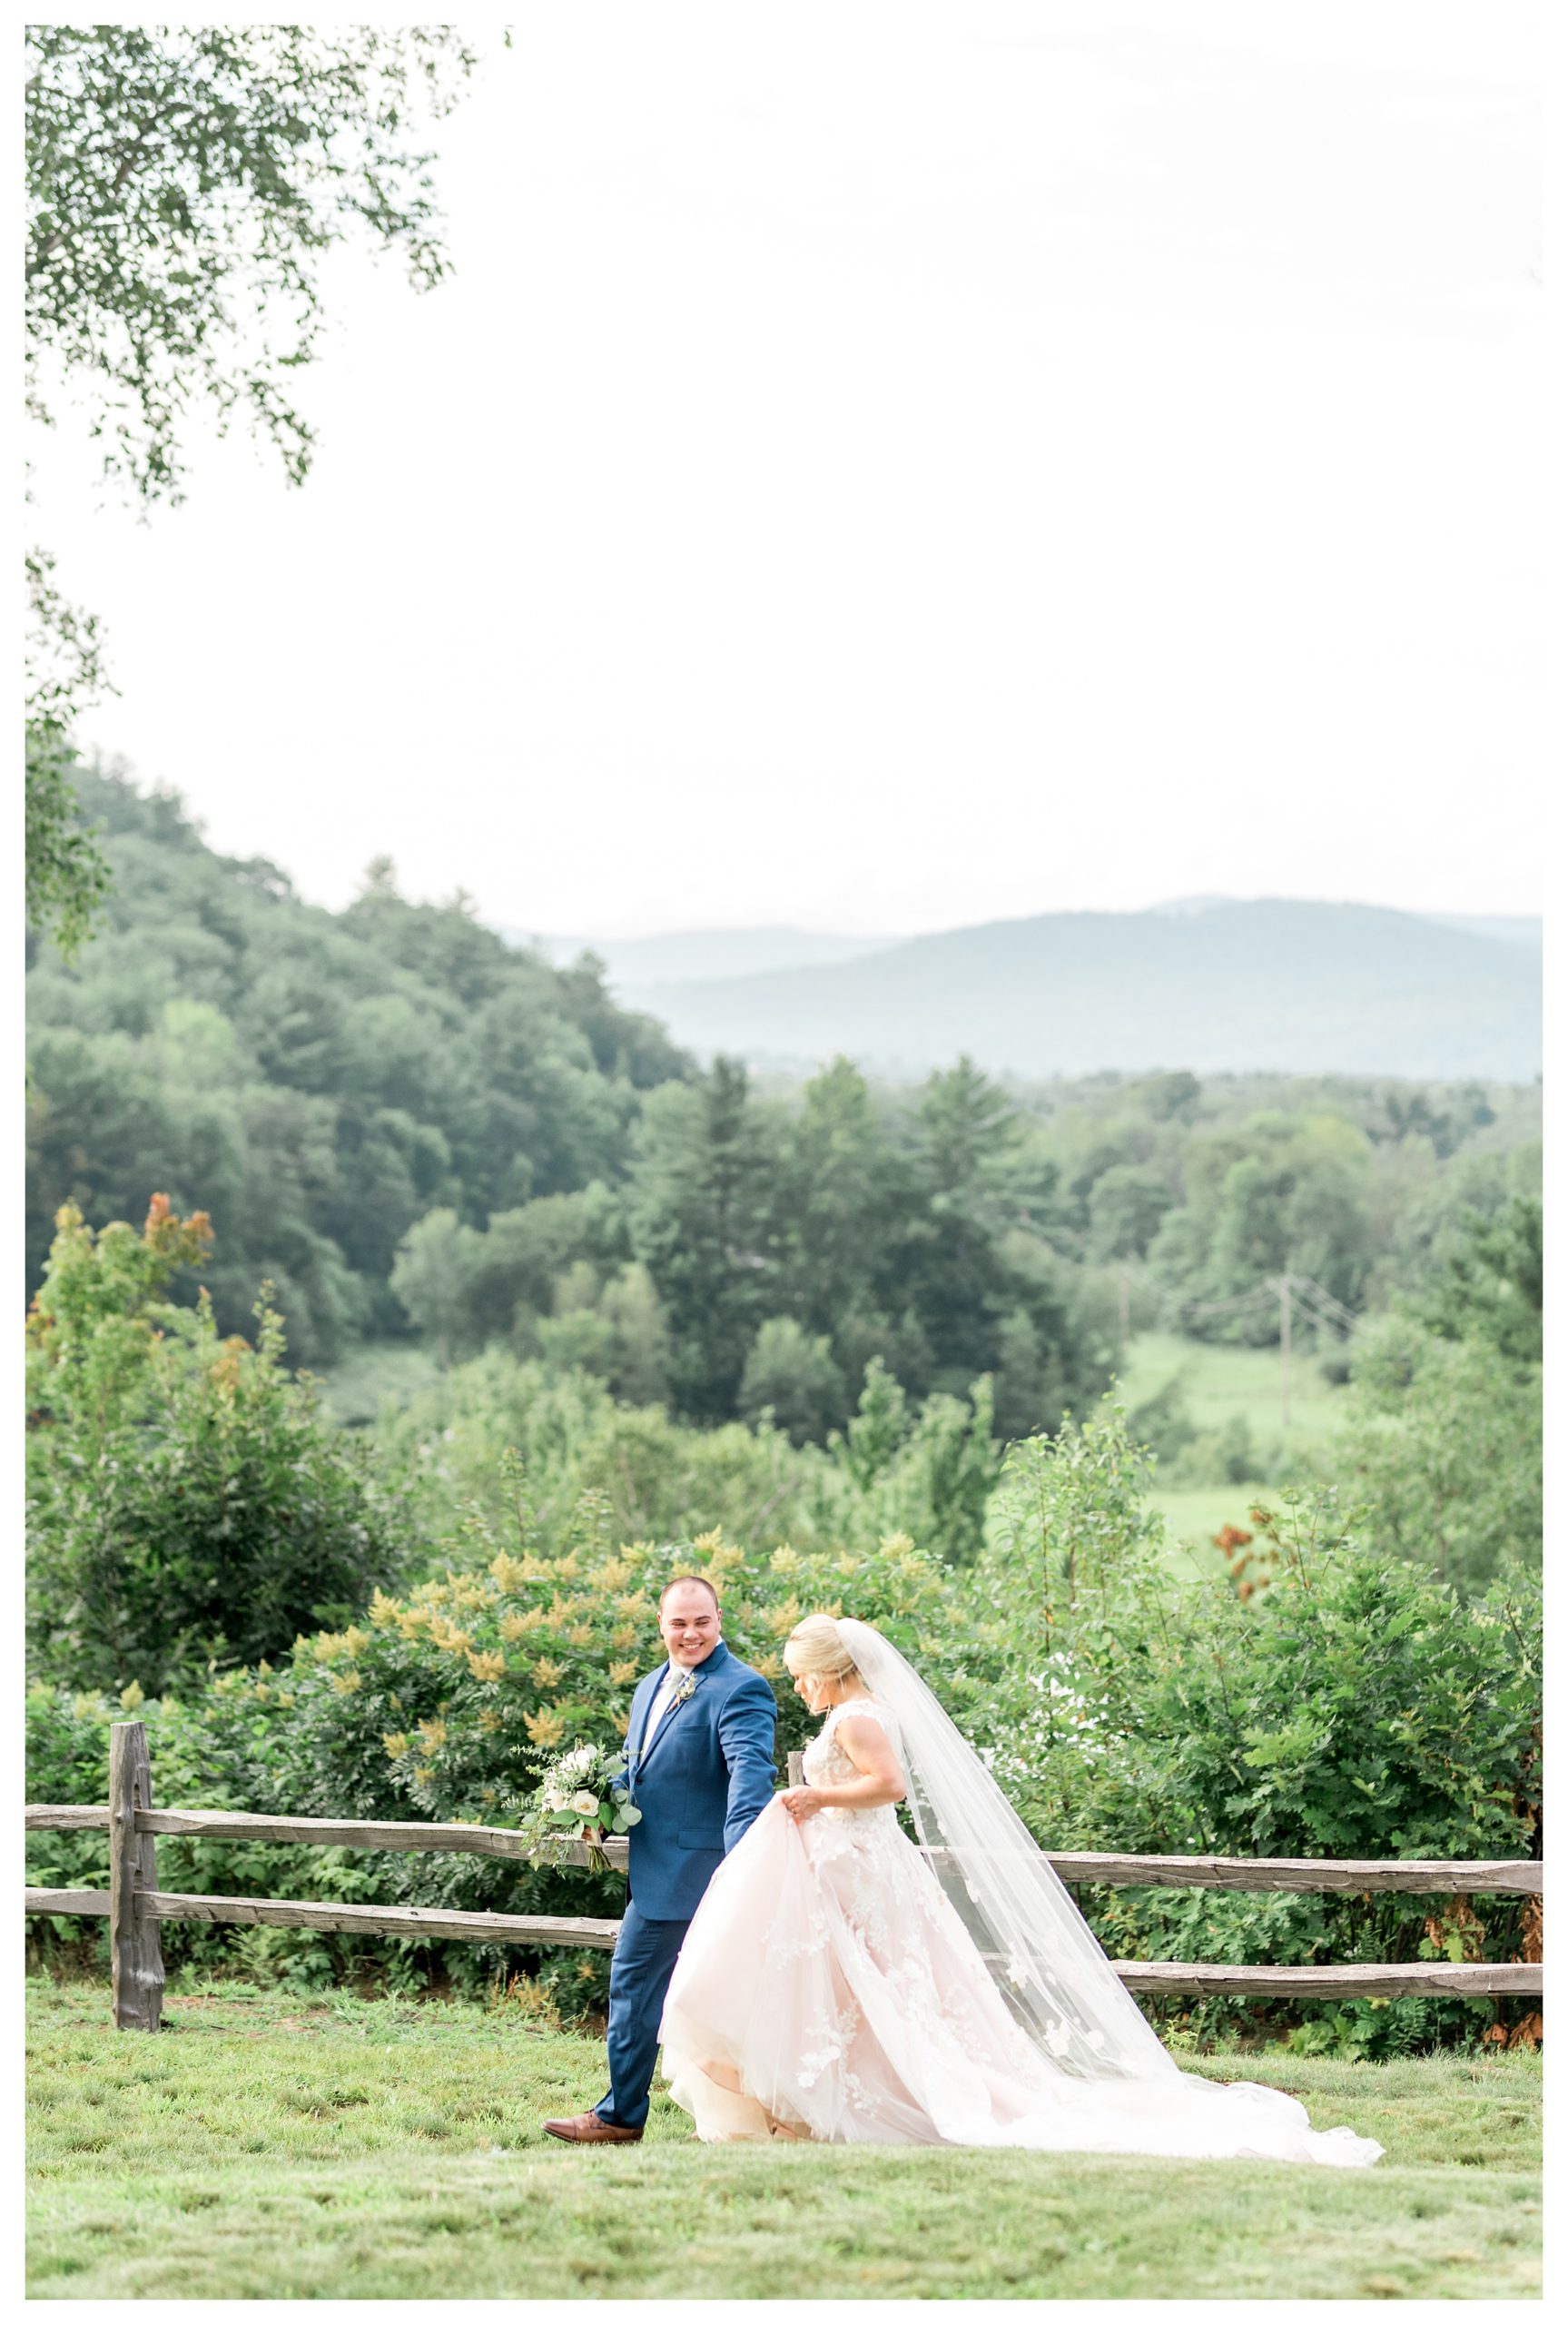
<point>837,1984</point>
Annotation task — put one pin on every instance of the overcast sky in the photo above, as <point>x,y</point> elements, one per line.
<point>884,468</point>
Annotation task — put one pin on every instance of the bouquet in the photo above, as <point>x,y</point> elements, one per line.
<point>577,1799</point>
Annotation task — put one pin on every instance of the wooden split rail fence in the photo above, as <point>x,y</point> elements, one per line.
<point>135,1906</point>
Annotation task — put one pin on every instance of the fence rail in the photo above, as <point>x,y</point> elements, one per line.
<point>136,1906</point>
<point>1519,1876</point>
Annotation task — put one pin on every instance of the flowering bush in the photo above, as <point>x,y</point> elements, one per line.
<point>440,1703</point>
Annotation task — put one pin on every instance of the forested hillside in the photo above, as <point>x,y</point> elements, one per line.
<point>316,1082</point>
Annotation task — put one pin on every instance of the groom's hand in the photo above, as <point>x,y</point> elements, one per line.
<point>803,1800</point>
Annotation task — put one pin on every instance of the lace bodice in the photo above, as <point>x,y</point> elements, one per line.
<point>825,1762</point>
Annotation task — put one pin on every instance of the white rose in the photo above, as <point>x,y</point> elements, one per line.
<point>585,1803</point>
<point>554,1798</point>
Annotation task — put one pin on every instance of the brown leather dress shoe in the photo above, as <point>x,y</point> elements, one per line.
<point>591,2131</point>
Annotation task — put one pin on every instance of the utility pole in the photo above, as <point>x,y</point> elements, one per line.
<point>1283,1284</point>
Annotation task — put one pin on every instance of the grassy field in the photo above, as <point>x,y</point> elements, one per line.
<point>356,1390</point>
<point>270,2147</point>
<point>1194,1514</point>
<point>1221,1385</point>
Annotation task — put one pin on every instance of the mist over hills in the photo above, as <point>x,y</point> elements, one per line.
<point>1213,984</point>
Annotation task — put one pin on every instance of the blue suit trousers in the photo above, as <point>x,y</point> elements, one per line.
<point>640,1971</point>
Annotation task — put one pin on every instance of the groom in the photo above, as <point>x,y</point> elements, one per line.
<point>700,1766</point>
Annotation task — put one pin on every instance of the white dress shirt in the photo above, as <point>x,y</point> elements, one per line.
<point>672,1680</point>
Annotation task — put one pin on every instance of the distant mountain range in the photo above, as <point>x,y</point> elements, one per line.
<point>1206,983</point>
<point>703,953</point>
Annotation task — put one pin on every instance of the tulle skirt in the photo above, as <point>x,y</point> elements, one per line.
<point>827,1990</point>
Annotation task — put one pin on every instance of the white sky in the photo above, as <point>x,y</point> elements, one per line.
<point>878,468</point>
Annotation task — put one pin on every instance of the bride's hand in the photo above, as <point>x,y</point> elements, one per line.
<point>802,1800</point>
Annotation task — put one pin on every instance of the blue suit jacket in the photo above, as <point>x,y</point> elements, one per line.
<point>707,1773</point>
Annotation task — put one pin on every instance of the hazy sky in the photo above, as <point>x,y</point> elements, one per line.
<point>879,468</point>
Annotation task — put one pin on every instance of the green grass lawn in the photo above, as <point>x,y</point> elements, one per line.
<point>276,2147</point>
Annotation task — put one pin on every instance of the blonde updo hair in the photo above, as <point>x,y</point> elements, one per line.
<point>814,1650</point>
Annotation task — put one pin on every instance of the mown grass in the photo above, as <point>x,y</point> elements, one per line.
<point>273,2147</point>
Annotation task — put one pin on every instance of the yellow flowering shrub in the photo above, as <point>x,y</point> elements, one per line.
<point>440,1703</point>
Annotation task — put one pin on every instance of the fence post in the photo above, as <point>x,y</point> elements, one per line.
<point>797,1767</point>
<point>135,1946</point>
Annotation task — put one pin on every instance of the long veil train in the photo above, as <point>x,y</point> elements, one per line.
<point>1050,1966</point>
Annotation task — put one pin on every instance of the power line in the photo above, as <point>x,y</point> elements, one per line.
<point>1308,1283</point>
<point>1223,1307</point>
<point>1335,1317</point>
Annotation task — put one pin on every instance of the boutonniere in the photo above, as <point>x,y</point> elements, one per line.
<point>685,1692</point>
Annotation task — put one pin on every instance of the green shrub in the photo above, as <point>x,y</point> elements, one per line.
<point>897,1468</point>
<point>1322,1698</point>
<point>1443,1442</point>
<point>187,1502</point>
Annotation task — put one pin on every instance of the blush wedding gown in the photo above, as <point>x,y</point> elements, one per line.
<point>834,1987</point>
